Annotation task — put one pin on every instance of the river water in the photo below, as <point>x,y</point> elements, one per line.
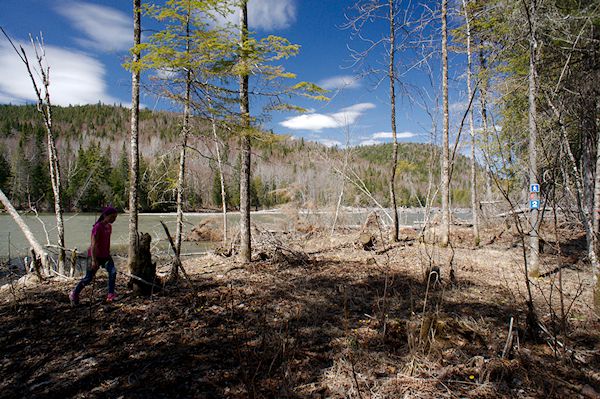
<point>78,227</point>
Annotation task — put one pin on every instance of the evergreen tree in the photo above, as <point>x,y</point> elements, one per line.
<point>119,180</point>
<point>5,174</point>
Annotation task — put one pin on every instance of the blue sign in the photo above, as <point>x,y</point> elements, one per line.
<point>534,204</point>
<point>534,188</point>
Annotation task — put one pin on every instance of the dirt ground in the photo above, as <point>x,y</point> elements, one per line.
<point>317,317</point>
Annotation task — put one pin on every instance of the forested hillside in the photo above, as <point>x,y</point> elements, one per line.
<point>93,154</point>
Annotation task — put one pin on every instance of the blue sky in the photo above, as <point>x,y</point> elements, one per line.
<point>87,41</point>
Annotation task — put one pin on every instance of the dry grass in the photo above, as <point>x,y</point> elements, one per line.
<point>319,327</point>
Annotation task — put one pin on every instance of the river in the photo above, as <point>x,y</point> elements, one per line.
<point>78,227</point>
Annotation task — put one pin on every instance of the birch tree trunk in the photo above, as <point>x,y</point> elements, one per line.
<point>56,188</point>
<point>484,118</point>
<point>474,207</point>
<point>594,232</point>
<point>445,178</point>
<point>596,208</point>
<point>45,108</point>
<point>534,240</point>
<point>245,234</point>
<point>134,139</point>
<point>392,77</point>
<point>221,178</point>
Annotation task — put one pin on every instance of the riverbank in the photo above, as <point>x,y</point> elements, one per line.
<point>78,226</point>
<point>318,317</point>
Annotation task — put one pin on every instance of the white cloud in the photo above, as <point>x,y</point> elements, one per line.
<point>389,135</point>
<point>369,142</point>
<point>460,106</point>
<point>75,78</point>
<point>311,122</point>
<point>316,121</point>
<point>340,82</point>
<point>107,29</point>
<point>376,137</point>
<point>382,135</point>
<point>265,15</point>
<point>164,73</point>
<point>330,143</point>
<point>405,135</point>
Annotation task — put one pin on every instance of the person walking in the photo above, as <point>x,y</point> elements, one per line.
<point>99,252</point>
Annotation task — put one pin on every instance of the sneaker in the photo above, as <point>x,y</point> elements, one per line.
<point>111,297</point>
<point>74,298</point>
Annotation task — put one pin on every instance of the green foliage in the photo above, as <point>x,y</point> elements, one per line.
<point>119,181</point>
<point>4,172</point>
<point>217,198</point>
<point>89,186</point>
<point>95,173</point>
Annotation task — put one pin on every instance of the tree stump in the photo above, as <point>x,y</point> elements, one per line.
<point>366,241</point>
<point>143,269</point>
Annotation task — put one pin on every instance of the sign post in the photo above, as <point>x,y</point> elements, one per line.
<point>534,200</point>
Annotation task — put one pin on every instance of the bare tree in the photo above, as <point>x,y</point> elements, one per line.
<point>392,78</point>
<point>368,11</point>
<point>586,218</point>
<point>534,241</point>
<point>45,108</point>
<point>221,175</point>
<point>474,207</point>
<point>483,93</point>
<point>445,173</point>
<point>134,139</point>
<point>185,129</point>
<point>347,153</point>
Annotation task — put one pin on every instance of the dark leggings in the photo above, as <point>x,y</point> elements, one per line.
<point>106,263</point>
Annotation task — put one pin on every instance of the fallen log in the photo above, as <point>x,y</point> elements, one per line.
<point>35,245</point>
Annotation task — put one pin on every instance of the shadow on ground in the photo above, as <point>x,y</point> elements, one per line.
<point>266,331</point>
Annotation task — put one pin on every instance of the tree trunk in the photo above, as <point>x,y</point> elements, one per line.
<point>474,207</point>
<point>46,111</point>
<point>245,237</point>
<point>184,138</point>
<point>58,210</point>
<point>392,76</point>
<point>586,216</point>
<point>134,139</point>
<point>596,215</point>
<point>534,240</point>
<point>45,108</point>
<point>343,188</point>
<point>589,126</point>
<point>37,248</point>
<point>484,118</point>
<point>144,269</point>
<point>596,208</point>
<point>221,178</point>
<point>445,180</point>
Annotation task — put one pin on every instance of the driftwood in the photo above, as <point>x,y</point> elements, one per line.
<point>39,252</point>
<point>271,247</point>
<point>177,262</point>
